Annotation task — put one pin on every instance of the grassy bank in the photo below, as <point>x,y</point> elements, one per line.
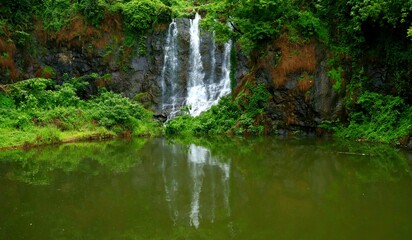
<point>40,112</point>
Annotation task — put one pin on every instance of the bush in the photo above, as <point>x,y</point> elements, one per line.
<point>92,11</point>
<point>46,110</point>
<point>56,14</point>
<point>140,15</point>
<point>111,109</point>
<point>6,102</point>
<point>378,117</point>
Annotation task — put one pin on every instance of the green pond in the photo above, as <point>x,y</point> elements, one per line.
<point>217,188</point>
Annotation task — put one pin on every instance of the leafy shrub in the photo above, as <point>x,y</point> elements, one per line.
<point>112,110</point>
<point>140,15</point>
<point>46,110</point>
<point>56,14</point>
<point>379,118</point>
<point>309,25</point>
<point>92,10</point>
<point>65,96</point>
<point>336,75</point>
<point>32,93</point>
<point>6,102</point>
<point>181,125</point>
<point>11,118</point>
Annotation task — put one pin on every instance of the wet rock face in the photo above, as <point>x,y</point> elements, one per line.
<point>183,39</point>
<point>287,108</point>
<point>125,70</point>
<point>409,146</point>
<point>325,99</point>
<point>304,98</point>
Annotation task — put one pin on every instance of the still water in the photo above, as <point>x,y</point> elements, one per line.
<point>207,189</point>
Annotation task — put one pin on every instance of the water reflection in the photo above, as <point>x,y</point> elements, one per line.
<point>205,177</point>
<point>39,166</point>
<point>207,189</point>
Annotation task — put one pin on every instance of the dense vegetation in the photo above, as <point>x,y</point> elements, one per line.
<point>363,38</point>
<point>37,111</point>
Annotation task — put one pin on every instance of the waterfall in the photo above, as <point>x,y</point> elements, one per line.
<point>223,86</point>
<point>213,60</point>
<point>197,96</point>
<point>203,89</point>
<point>169,80</point>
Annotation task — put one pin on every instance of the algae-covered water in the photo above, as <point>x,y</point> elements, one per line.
<point>225,188</point>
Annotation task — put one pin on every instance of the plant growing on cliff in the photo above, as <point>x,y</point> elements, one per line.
<point>336,75</point>
<point>379,118</point>
<point>57,14</point>
<point>140,15</point>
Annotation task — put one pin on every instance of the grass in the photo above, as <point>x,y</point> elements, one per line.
<point>12,138</point>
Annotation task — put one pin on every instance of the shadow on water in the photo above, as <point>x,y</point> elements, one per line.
<point>207,188</point>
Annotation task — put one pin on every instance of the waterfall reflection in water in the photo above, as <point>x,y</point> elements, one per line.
<point>201,166</point>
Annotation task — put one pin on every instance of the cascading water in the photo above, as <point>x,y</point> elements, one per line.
<point>223,86</point>
<point>196,93</point>
<point>213,60</point>
<point>169,80</point>
<point>202,90</point>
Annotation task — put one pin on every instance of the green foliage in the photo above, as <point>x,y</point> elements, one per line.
<point>380,11</point>
<point>48,111</point>
<point>309,25</point>
<point>56,14</point>
<point>140,15</point>
<point>254,22</point>
<point>93,10</point>
<point>227,117</point>
<point>6,102</point>
<point>49,135</point>
<point>18,13</point>
<point>48,71</point>
<point>142,45</point>
<point>336,75</point>
<point>116,112</point>
<point>21,38</point>
<point>379,118</point>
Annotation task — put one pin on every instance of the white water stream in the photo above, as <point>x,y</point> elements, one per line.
<point>169,79</point>
<point>202,93</point>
